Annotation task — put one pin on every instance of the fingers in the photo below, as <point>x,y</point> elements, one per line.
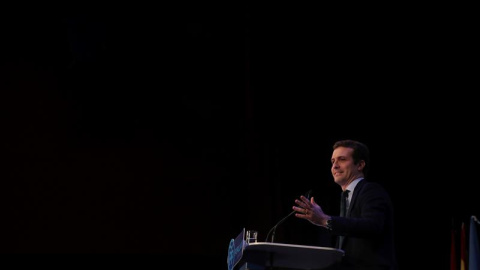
<point>307,202</point>
<point>301,212</point>
<point>306,209</point>
<point>303,207</point>
<point>305,199</point>
<point>303,202</point>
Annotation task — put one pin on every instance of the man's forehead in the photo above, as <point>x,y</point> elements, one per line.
<point>342,151</point>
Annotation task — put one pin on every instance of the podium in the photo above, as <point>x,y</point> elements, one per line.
<point>265,255</point>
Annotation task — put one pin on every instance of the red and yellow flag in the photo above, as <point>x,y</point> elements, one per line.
<point>463,249</point>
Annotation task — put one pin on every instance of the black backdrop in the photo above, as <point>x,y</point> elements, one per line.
<point>167,131</point>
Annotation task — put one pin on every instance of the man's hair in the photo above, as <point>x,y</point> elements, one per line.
<point>360,152</point>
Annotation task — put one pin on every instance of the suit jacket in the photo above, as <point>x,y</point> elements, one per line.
<point>368,229</point>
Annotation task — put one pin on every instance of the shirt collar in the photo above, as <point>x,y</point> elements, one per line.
<point>353,184</point>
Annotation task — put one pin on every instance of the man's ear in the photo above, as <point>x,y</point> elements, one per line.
<point>361,165</point>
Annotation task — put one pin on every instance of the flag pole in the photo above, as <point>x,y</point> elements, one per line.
<point>473,246</point>
<point>475,219</point>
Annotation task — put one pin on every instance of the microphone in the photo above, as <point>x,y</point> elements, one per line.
<point>274,228</point>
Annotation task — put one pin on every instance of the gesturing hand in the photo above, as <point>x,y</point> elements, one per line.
<point>309,210</point>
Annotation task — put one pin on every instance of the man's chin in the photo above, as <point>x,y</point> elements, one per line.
<point>339,180</point>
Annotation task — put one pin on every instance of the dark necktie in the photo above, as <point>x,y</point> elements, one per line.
<point>343,203</point>
<point>343,212</point>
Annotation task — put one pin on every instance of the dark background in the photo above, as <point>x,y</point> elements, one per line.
<point>167,131</point>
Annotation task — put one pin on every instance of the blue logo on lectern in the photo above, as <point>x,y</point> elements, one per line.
<point>235,250</point>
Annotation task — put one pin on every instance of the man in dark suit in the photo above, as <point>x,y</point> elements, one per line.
<point>365,230</point>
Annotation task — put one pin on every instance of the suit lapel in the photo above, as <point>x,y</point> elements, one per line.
<point>357,191</point>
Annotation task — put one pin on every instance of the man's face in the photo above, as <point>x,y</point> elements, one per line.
<point>343,169</point>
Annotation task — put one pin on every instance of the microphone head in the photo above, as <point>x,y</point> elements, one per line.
<point>308,194</point>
